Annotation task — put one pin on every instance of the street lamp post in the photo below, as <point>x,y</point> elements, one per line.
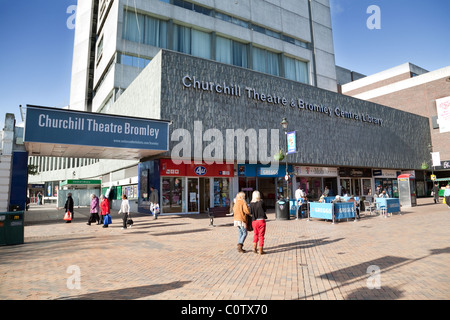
<point>284,123</point>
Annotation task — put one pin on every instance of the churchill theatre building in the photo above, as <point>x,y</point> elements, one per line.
<point>226,74</point>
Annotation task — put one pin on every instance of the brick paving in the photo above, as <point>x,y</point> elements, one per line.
<point>182,257</point>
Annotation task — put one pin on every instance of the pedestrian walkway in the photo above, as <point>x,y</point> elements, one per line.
<point>177,257</point>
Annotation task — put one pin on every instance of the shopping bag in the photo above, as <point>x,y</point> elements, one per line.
<point>154,208</point>
<point>107,219</point>
<point>68,216</point>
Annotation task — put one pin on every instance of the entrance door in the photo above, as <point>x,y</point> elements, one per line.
<point>346,186</point>
<point>356,190</point>
<point>192,195</point>
<point>204,194</point>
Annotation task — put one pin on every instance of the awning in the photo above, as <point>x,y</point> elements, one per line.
<point>443,179</point>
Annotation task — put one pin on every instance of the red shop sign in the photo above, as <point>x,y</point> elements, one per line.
<point>210,170</point>
<point>168,168</point>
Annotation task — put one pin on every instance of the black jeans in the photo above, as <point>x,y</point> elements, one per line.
<point>93,218</point>
<point>124,219</point>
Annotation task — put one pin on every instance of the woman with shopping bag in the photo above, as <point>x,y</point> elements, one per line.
<point>68,216</point>
<point>104,211</point>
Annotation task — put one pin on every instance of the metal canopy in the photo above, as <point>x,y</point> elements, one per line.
<point>77,151</point>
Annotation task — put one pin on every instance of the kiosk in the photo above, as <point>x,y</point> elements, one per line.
<point>407,190</point>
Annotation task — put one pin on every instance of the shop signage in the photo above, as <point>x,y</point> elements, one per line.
<point>254,170</point>
<point>50,125</point>
<point>385,173</point>
<point>444,165</point>
<point>168,168</point>
<point>315,171</point>
<point>234,90</point>
<point>200,171</point>
<point>81,182</point>
<point>355,172</point>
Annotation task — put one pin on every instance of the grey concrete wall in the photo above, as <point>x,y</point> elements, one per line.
<point>400,142</point>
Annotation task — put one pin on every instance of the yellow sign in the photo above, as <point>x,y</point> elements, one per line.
<point>433,177</point>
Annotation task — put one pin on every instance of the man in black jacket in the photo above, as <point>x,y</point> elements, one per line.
<point>69,206</point>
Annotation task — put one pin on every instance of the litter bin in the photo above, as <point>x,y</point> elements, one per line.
<point>282,209</point>
<point>11,228</point>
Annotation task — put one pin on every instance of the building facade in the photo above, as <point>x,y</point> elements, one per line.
<point>225,74</point>
<point>413,89</point>
<point>116,39</point>
<point>225,115</point>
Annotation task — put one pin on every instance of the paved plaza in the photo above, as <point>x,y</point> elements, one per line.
<point>175,257</point>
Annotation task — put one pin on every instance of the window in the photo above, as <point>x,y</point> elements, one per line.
<point>100,49</point>
<point>191,41</point>
<point>201,44</point>
<point>266,61</point>
<point>133,61</point>
<point>145,29</point>
<point>133,26</point>
<point>155,32</point>
<point>231,52</point>
<point>181,39</point>
<point>296,70</point>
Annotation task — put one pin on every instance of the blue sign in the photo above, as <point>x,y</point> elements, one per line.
<point>291,142</point>
<point>200,171</point>
<point>49,125</point>
<point>344,210</point>
<point>321,210</point>
<point>390,204</point>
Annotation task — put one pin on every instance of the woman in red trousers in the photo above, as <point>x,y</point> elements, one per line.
<point>258,213</point>
<point>104,210</point>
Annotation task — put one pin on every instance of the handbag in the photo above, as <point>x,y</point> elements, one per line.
<point>68,216</point>
<point>249,223</point>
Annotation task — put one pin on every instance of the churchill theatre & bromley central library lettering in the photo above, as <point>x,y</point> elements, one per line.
<point>234,90</point>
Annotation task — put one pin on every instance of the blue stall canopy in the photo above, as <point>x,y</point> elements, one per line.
<point>68,133</point>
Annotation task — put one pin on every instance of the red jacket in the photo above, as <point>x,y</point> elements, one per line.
<point>104,207</point>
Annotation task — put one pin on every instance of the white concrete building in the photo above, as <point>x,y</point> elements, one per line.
<point>115,40</point>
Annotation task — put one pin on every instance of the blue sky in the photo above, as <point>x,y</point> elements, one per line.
<point>36,44</point>
<point>416,31</point>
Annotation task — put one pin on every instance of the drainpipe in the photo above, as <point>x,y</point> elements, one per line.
<point>313,49</point>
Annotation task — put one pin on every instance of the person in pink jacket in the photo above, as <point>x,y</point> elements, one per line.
<point>94,210</point>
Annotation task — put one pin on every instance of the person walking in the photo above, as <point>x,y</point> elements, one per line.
<point>447,195</point>
<point>69,206</point>
<point>258,213</point>
<point>104,210</point>
<point>436,193</point>
<point>241,214</point>
<point>94,210</point>
<point>154,199</point>
<point>125,209</point>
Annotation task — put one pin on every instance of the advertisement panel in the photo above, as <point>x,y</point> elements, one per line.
<point>443,112</point>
